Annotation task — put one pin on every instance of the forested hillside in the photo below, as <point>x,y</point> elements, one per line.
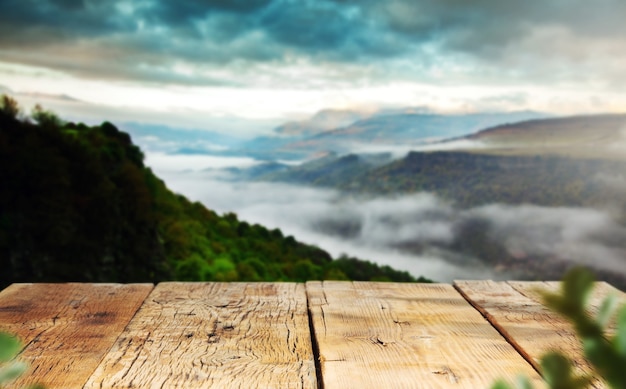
<point>77,203</point>
<point>469,178</point>
<point>472,179</point>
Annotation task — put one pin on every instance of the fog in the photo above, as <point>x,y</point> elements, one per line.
<point>398,151</point>
<point>585,236</point>
<point>416,232</point>
<point>172,163</point>
<point>323,218</point>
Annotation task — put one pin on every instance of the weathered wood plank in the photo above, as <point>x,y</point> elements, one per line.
<point>214,335</point>
<point>389,335</point>
<point>67,328</point>
<point>600,291</point>
<point>515,308</point>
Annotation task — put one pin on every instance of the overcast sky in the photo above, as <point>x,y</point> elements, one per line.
<point>160,59</point>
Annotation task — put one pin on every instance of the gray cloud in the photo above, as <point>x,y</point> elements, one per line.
<point>401,39</point>
<point>484,25</point>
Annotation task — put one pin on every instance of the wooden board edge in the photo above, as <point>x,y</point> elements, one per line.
<point>457,284</point>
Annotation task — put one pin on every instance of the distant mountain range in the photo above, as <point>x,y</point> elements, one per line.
<point>595,136</point>
<point>377,132</point>
<point>327,132</point>
<point>325,120</point>
<point>548,162</point>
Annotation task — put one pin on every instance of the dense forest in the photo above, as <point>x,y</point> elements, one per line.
<point>469,179</point>
<point>77,203</point>
<point>472,179</point>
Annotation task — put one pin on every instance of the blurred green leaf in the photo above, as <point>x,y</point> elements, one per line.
<point>12,371</point>
<point>501,384</point>
<point>557,371</point>
<point>620,337</point>
<point>577,284</point>
<point>523,383</point>
<point>10,346</point>
<point>607,310</point>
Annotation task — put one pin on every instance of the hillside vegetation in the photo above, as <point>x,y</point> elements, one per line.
<point>77,203</point>
<point>471,179</point>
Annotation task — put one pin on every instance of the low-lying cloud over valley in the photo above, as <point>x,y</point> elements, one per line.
<point>420,233</point>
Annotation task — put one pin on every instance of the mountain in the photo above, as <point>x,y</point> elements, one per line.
<point>395,128</point>
<point>328,170</point>
<point>405,128</point>
<point>380,131</point>
<point>472,179</point>
<point>331,119</point>
<point>324,120</point>
<point>511,176</point>
<point>559,161</point>
<point>467,178</point>
<point>77,203</point>
<point>594,136</point>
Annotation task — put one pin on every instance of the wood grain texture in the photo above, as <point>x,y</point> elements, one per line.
<point>515,308</point>
<point>214,335</point>
<point>599,292</point>
<point>67,328</point>
<point>390,335</point>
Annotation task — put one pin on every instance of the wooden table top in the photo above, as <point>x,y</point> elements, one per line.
<point>327,334</point>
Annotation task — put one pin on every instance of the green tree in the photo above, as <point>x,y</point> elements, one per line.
<point>9,107</point>
<point>46,118</point>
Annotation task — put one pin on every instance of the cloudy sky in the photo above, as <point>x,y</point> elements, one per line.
<point>189,60</point>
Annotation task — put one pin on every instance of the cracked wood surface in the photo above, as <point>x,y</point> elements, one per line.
<point>377,335</point>
<point>67,328</point>
<point>516,309</point>
<point>214,335</point>
<point>599,292</point>
<point>366,334</point>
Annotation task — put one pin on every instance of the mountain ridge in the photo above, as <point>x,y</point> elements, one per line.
<point>78,204</point>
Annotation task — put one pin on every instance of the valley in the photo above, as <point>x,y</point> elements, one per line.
<point>526,200</point>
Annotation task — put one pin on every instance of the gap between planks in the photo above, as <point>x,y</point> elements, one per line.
<point>392,296</point>
<point>373,335</point>
<point>501,330</point>
<point>202,335</point>
<point>516,309</point>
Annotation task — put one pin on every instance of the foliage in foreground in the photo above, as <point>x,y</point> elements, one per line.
<point>10,369</point>
<point>607,355</point>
